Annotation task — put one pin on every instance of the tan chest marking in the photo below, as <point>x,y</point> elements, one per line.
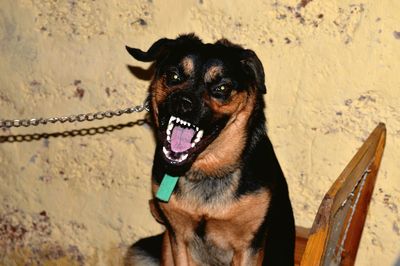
<point>229,226</point>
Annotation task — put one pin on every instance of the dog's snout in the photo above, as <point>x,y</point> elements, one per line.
<point>186,104</point>
<point>182,104</point>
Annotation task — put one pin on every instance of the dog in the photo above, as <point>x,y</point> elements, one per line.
<point>224,199</point>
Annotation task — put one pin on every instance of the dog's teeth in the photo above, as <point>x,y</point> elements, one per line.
<point>169,128</point>
<point>193,144</point>
<point>197,128</point>
<point>189,124</point>
<point>169,138</point>
<point>178,119</point>
<point>166,152</point>
<point>184,157</point>
<point>171,119</point>
<point>200,134</point>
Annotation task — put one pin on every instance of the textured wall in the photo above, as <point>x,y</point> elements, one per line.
<point>332,73</point>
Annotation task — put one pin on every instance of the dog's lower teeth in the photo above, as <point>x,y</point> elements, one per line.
<point>166,152</point>
<point>181,158</point>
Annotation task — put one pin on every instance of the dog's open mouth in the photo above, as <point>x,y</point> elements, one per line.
<point>182,138</point>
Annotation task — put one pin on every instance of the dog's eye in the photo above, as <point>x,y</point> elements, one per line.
<point>221,88</point>
<point>221,92</point>
<point>173,77</point>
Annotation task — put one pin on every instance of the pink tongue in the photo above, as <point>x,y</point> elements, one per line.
<point>180,138</point>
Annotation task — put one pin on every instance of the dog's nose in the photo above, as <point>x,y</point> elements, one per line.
<point>182,103</point>
<point>186,104</point>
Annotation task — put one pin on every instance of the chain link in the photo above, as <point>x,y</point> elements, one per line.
<point>73,118</point>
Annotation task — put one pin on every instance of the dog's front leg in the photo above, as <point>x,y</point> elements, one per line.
<point>247,257</point>
<point>175,252</point>
<point>166,252</point>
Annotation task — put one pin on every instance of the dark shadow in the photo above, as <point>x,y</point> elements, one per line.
<point>72,133</point>
<point>398,262</point>
<point>141,73</point>
<point>146,249</point>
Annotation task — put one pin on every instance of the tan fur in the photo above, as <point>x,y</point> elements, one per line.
<point>212,73</point>
<point>224,152</point>
<point>188,65</point>
<point>159,93</point>
<point>229,227</point>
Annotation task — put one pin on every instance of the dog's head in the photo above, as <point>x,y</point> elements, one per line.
<point>202,96</point>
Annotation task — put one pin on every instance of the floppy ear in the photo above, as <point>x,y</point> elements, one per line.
<point>253,66</point>
<point>156,51</point>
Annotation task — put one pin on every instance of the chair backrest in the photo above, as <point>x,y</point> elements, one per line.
<point>336,232</point>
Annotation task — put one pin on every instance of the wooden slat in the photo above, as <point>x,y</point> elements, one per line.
<point>301,242</point>
<point>357,225</point>
<point>369,155</point>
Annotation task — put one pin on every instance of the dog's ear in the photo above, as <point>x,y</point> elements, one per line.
<point>163,46</point>
<point>253,66</point>
<point>156,51</point>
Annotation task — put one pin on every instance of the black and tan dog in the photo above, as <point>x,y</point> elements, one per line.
<point>230,205</point>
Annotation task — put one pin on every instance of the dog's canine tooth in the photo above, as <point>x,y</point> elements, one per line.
<point>193,144</point>
<point>171,119</point>
<point>184,157</point>
<point>166,152</point>
<point>200,134</point>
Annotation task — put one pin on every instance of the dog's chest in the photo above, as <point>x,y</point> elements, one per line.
<point>213,221</point>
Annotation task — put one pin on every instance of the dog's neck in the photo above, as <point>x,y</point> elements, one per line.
<point>223,155</point>
<point>196,188</point>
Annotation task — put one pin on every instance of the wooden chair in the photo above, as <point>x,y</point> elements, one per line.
<point>336,232</point>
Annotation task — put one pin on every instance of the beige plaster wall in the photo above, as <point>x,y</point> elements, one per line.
<point>333,72</point>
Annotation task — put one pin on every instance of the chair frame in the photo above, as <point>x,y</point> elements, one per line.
<point>335,235</point>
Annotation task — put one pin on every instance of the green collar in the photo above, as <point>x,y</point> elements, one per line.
<point>166,188</point>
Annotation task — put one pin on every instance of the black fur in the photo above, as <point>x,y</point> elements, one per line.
<point>259,168</point>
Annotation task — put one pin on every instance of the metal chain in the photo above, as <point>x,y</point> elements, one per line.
<point>73,118</point>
